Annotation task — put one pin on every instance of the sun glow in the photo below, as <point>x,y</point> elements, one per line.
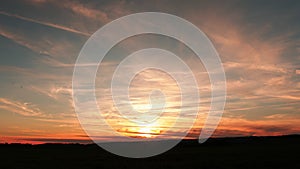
<point>144,131</point>
<point>148,132</point>
<point>156,101</point>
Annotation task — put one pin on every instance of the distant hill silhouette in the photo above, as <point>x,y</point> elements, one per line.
<point>223,153</point>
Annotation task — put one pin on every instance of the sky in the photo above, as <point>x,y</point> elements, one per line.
<point>258,43</point>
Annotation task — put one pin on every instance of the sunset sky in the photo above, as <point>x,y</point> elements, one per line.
<point>258,43</point>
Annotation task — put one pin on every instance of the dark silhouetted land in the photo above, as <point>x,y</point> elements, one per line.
<point>226,153</point>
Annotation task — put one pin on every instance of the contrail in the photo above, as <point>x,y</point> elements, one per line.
<point>45,23</point>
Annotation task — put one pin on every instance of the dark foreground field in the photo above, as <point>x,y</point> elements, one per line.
<point>250,152</point>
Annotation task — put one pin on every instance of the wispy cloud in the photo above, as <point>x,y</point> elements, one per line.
<point>21,108</point>
<point>87,12</point>
<point>19,40</point>
<point>45,23</point>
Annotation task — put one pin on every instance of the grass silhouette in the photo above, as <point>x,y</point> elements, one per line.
<point>219,153</point>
